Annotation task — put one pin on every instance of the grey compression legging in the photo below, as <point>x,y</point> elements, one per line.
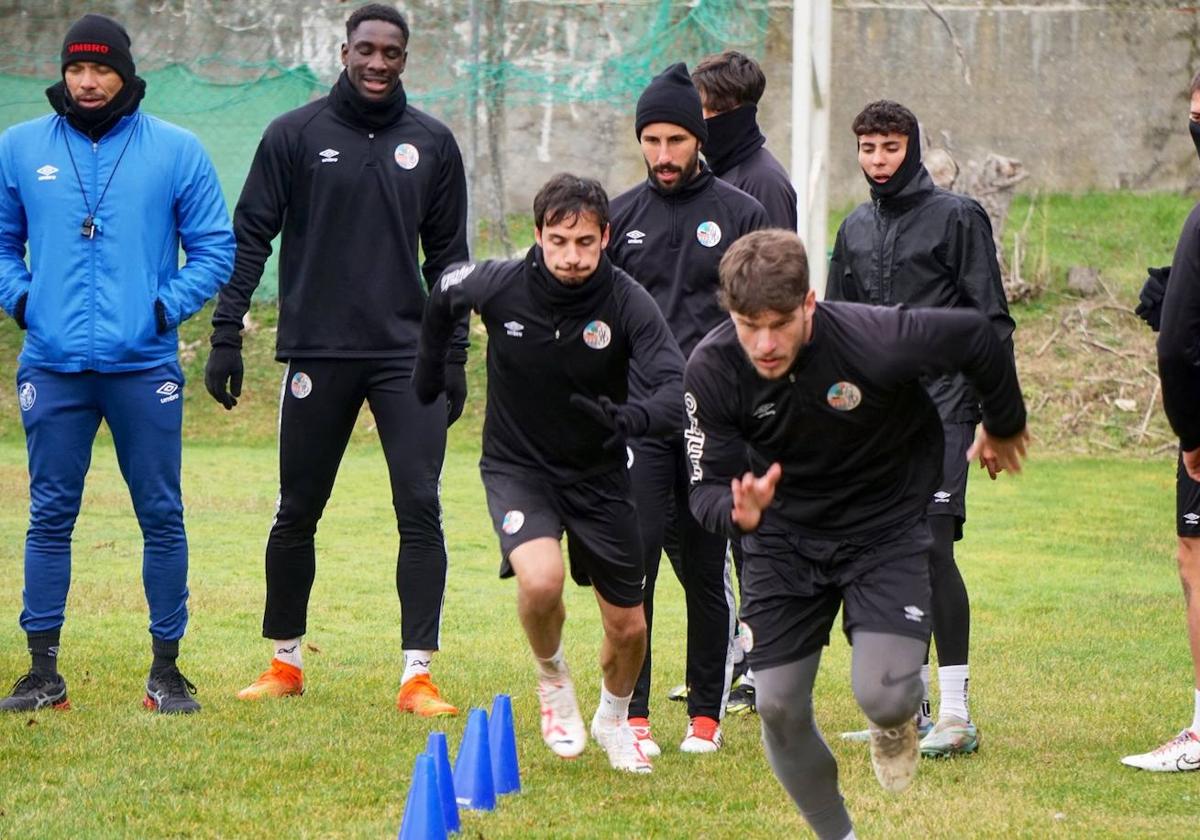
<point>886,676</point>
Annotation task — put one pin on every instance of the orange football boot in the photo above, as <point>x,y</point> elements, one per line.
<point>280,680</point>
<point>421,697</point>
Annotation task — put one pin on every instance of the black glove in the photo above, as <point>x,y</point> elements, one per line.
<point>456,391</point>
<point>160,317</point>
<point>626,420</point>
<point>19,311</point>
<point>429,379</point>
<point>1149,307</point>
<point>224,366</point>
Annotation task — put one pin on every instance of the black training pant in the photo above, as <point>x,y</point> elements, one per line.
<point>318,408</point>
<point>660,487</point>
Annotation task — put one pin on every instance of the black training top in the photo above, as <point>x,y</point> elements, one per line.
<point>1179,339</point>
<point>857,436</point>
<point>351,199</point>
<point>547,341</point>
<point>924,246</point>
<point>672,243</point>
<point>759,174</point>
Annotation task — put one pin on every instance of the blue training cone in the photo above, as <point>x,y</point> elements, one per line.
<point>503,738</point>
<point>436,748</point>
<point>473,786</point>
<point>423,818</point>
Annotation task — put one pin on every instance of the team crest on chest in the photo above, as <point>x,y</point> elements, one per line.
<point>407,156</point>
<point>597,335</point>
<point>843,396</point>
<point>708,234</point>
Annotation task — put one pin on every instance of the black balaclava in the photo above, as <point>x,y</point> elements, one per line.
<point>908,169</point>
<point>1194,130</point>
<point>101,40</point>
<point>732,137</point>
<point>373,113</point>
<point>672,98</point>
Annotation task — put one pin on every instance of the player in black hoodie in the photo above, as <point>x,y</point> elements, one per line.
<point>731,85</point>
<point>353,181</point>
<point>563,327</point>
<point>825,401</point>
<point>920,245</point>
<point>669,232</point>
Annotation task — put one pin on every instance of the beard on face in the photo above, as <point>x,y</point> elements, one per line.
<point>685,174</point>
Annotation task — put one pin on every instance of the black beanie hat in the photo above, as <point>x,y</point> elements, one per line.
<point>672,98</point>
<point>102,40</point>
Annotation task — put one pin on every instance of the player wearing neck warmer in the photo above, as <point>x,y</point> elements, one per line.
<point>922,246</point>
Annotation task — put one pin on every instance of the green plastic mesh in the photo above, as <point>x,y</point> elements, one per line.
<point>553,52</point>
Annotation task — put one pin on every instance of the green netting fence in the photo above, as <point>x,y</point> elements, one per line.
<point>471,63</point>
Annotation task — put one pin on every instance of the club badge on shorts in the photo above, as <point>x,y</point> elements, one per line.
<point>745,637</point>
<point>301,385</point>
<point>708,234</point>
<point>843,396</point>
<point>512,522</point>
<point>27,395</point>
<point>597,335</point>
<point>407,156</point>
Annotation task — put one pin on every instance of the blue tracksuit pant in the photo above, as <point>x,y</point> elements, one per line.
<point>61,413</point>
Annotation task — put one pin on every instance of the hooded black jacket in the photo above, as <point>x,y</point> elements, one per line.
<point>923,247</point>
<point>547,341</point>
<point>660,239</point>
<point>857,436</point>
<point>352,201</point>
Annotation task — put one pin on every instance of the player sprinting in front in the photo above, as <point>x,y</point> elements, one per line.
<point>826,402</point>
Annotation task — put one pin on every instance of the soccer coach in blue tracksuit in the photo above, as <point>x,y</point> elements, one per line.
<point>104,195</point>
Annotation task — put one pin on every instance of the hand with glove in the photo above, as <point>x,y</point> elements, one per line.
<point>429,379</point>
<point>626,420</point>
<point>224,368</point>
<point>456,391</point>
<point>1149,307</point>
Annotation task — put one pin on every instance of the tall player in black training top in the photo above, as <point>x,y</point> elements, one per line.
<point>669,233</point>
<point>826,403</point>
<point>563,327</point>
<point>353,180</point>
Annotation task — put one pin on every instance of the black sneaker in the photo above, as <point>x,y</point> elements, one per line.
<point>741,700</point>
<point>170,693</point>
<point>33,692</point>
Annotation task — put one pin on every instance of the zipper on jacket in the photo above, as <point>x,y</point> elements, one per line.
<point>92,260</point>
<point>370,148</point>
<point>882,226</point>
<point>675,235</point>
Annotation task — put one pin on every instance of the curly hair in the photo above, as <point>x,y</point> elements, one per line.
<point>884,117</point>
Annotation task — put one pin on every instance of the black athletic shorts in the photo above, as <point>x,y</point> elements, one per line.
<point>597,514</point>
<point>794,587</point>
<point>1187,503</point>
<point>950,499</point>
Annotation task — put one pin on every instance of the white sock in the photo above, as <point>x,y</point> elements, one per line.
<point>852,835</point>
<point>554,667</point>
<point>1196,714</point>
<point>613,709</point>
<point>925,713</point>
<point>415,662</point>
<point>748,678</point>
<point>288,650</point>
<point>952,683</point>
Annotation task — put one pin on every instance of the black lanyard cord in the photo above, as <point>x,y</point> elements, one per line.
<point>88,229</point>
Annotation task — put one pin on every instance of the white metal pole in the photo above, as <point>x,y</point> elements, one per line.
<point>812,33</point>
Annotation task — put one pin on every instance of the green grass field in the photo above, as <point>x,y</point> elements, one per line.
<point>1079,657</point>
<point>1079,646</point>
